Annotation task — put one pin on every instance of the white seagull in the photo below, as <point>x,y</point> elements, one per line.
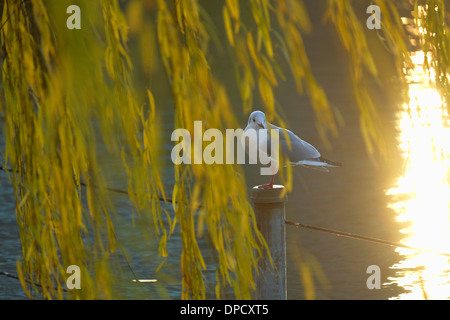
<point>299,151</point>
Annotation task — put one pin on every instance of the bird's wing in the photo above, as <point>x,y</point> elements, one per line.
<point>295,148</point>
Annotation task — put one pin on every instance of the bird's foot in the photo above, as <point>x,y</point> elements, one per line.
<point>266,186</point>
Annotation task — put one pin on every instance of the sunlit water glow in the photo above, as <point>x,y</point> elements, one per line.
<point>421,196</point>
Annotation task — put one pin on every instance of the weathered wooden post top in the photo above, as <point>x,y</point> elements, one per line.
<point>270,217</point>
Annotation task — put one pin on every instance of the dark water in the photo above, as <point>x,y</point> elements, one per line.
<point>352,198</point>
<point>9,242</point>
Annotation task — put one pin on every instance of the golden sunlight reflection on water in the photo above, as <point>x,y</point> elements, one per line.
<point>421,196</point>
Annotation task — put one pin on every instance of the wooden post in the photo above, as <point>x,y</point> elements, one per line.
<point>271,281</point>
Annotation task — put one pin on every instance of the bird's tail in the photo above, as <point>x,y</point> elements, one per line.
<point>318,168</point>
<point>320,164</point>
<point>329,162</point>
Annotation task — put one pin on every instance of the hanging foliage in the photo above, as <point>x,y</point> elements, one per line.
<point>431,20</point>
<point>68,97</point>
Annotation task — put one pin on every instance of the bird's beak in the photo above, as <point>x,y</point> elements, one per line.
<point>261,125</point>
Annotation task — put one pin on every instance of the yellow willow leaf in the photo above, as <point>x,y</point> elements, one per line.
<point>172,223</point>
<point>307,280</point>
<point>109,62</point>
<point>22,279</point>
<point>217,288</point>
<point>175,197</point>
<point>228,27</point>
<point>178,11</point>
<point>268,67</point>
<point>265,9</point>
<point>151,101</point>
<point>134,15</point>
<point>233,6</point>
<point>319,273</point>
<point>255,56</point>
<point>242,54</point>
<point>111,235</point>
<point>252,50</point>
<point>366,136</point>
<point>370,63</point>
<point>268,44</point>
<point>262,19</point>
<point>163,245</point>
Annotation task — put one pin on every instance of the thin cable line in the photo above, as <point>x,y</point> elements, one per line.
<point>97,187</point>
<point>361,237</point>
<point>9,275</point>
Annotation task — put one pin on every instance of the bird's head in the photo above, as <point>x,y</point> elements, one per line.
<point>257,120</point>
